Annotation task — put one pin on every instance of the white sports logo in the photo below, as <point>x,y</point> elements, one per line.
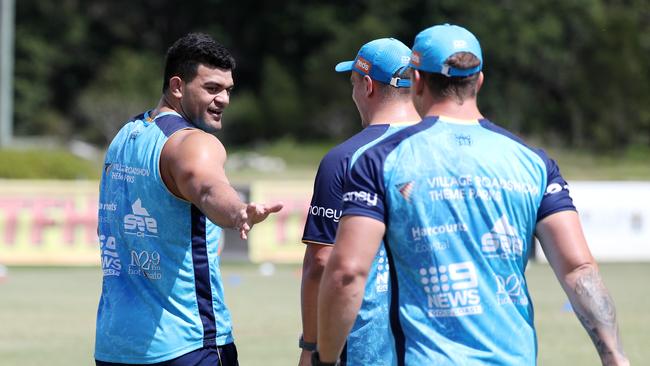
<point>502,241</point>
<point>140,223</point>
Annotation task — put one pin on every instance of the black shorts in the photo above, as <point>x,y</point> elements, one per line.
<point>225,355</point>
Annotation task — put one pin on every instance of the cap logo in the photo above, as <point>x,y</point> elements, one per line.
<point>415,58</point>
<point>460,43</point>
<point>363,65</point>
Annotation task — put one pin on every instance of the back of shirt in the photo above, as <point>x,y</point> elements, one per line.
<point>460,200</point>
<point>370,340</point>
<point>162,293</point>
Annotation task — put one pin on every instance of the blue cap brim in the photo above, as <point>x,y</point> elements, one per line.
<point>344,66</point>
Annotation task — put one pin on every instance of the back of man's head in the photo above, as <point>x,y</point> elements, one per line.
<point>188,52</point>
<point>384,60</point>
<point>449,59</point>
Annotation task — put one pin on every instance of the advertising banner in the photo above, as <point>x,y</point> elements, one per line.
<point>278,238</point>
<point>615,218</point>
<point>48,222</point>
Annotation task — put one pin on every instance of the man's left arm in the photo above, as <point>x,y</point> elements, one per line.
<point>343,284</point>
<point>566,249</point>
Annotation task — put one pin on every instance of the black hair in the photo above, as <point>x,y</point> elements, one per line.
<point>185,55</point>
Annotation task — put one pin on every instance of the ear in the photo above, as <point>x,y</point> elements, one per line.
<point>417,83</point>
<point>368,85</point>
<point>479,82</point>
<point>176,86</point>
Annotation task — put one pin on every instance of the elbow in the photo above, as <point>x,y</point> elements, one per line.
<point>347,273</point>
<point>315,262</point>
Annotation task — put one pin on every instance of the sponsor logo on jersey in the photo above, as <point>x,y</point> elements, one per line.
<point>463,139</point>
<point>555,188</point>
<point>111,264</point>
<point>146,264</point>
<point>451,290</point>
<point>363,65</point>
<point>421,232</point>
<point>326,212</point>
<point>140,223</point>
<point>369,198</point>
<point>405,189</point>
<point>381,282</point>
<point>510,290</point>
<point>502,241</point>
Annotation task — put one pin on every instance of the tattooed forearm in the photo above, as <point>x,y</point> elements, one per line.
<point>595,309</point>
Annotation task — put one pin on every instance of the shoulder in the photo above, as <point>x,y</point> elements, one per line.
<point>489,125</point>
<point>194,144</point>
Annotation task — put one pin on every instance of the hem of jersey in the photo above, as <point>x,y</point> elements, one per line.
<point>360,212</point>
<point>220,341</point>
<point>160,358</point>
<point>559,209</point>
<point>307,241</point>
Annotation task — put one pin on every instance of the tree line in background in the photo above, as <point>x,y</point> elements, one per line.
<point>573,73</point>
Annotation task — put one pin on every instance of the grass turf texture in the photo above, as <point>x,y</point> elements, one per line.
<point>47,315</point>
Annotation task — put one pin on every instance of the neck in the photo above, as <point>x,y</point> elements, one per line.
<point>394,112</point>
<point>450,108</point>
<point>164,105</point>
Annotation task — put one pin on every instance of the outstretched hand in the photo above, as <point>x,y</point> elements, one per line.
<point>255,213</point>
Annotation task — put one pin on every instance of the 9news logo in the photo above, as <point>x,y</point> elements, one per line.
<point>451,290</point>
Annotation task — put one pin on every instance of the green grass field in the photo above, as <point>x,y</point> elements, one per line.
<point>47,315</point>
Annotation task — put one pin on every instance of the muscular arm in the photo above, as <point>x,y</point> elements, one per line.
<point>344,280</point>
<point>192,167</point>
<point>565,246</point>
<point>316,257</point>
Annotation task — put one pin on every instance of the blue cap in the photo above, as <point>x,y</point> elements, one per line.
<point>380,59</point>
<point>434,45</point>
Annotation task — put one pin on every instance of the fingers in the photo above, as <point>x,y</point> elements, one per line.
<point>275,207</point>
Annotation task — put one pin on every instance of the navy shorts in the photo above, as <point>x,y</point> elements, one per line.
<point>225,355</point>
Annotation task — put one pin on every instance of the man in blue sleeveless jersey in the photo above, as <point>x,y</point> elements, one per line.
<point>163,197</point>
<point>457,200</point>
<point>382,98</point>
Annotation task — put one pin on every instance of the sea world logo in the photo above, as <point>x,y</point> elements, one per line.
<point>140,223</point>
<point>326,212</point>
<point>415,58</point>
<point>502,241</point>
<point>360,196</point>
<point>363,65</point>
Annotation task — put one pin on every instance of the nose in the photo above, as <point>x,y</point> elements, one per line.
<point>222,98</point>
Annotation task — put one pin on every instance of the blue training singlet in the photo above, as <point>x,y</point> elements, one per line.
<point>370,341</point>
<point>162,294</point>
<point>460,200</point>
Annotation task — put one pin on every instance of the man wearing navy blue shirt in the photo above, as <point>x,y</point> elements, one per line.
<point>457,201</point>
<point>381,95</point>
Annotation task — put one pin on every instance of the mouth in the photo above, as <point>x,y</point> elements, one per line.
<point>215,113</point>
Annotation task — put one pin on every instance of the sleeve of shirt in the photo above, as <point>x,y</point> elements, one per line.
<point>325,207</point>
<point>364,192</point>
<point>556,197</point>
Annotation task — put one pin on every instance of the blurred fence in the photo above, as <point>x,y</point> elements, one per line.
<point>55,222</point>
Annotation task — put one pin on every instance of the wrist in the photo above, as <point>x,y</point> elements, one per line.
<point>315,360</point>
<point>307,346</point>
